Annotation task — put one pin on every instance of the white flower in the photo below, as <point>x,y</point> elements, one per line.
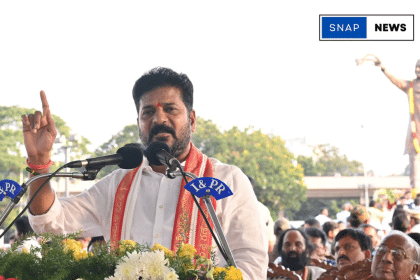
<point>171,275</point>
<point>153,265</point>
<point>128,269</point>
<point>148,265</point>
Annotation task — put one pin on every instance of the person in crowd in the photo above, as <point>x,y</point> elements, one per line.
<point>164,102</point>
<point>322,217</point>
<point>359,215</point>
<point>318,241</point>
<point>376,215</point>
<point>396,258</point>
<point>414,221</point>
<point>344,213</point>
<point>311,223</point>
<point>294,248</point>
<point>330,229</point>
<point>401,222</point>
<point>372,232</point>
<point>342,225</point>
<point>23,229</point>
<point>416,204</point>
<point>280,226</point>
<point>352,245</point>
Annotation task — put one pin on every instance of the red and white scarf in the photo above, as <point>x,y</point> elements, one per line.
<point>186,211</point>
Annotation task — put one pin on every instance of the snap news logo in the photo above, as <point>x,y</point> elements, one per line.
<point>366,27</point>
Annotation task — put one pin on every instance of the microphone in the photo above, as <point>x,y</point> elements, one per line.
<point>128,157</point>
<point>158,153</point>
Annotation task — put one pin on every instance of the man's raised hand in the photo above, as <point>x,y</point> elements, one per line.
<point>39,133</point>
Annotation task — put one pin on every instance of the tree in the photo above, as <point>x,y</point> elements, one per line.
<point>278,182</point>
<point>129,134</point>
<point>12,160</point>
<point>329,162</point>
<point>12,149</point>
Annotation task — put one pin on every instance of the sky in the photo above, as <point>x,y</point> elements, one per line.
<point>252,63</point>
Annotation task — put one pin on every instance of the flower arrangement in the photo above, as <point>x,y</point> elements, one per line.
<point>62,257</point>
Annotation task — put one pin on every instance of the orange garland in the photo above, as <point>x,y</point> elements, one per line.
<point>413,123</point>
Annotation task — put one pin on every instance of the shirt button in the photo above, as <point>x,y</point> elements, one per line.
<point>160,206</point>
<point>157,236</point>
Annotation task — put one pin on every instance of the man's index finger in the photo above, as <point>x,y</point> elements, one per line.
<point>45,106</point>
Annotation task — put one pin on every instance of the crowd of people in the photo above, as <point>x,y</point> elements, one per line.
<point>376,242</point>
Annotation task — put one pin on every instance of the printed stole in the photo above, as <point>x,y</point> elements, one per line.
<point>189,225</point>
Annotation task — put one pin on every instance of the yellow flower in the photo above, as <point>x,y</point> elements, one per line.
<point>187,250</point>
<point>126,245</point>
<point>233,273</point>
<point>168,253</point>
<point>246,152</point>
<point>218,270</point>
<point>76,247</point>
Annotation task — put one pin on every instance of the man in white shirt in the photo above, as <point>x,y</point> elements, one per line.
<point>151,214</point>
<point>323,216</point>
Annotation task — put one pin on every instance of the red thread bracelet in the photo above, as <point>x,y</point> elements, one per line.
<point>39,167</point>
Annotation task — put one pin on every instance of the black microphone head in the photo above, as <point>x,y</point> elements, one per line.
<point>132,156</point>
<point>152,151</point>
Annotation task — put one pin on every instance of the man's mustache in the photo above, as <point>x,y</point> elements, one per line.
<point>343,257</point>
<point>161,128</point>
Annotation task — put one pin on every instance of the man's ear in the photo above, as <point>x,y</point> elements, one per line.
<point>415,270</point>
<point>193,120</point>
<point>367,253</point>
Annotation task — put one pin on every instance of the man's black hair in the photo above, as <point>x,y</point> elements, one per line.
<point>401,222</point>
<point>313,223</point>
<point>329,226</point>
<point>159,77</point>
<point>372,203</point>
<point>363,226</point>
<point>415,236</point>
<point>22,225</point>
<point>305,236</point>
<point>364,240</point>
<point>316,233</point>
<point>417,201</point>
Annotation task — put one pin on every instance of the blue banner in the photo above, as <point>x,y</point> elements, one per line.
<point>9,188</point>
<point>208,186</point>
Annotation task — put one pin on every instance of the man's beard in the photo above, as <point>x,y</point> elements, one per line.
<point>178,146</point>
<point>294,263</point>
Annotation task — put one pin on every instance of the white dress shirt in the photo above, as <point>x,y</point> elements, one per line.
<point>154,214</point>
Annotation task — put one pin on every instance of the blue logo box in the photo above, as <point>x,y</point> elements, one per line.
<point>343,27</point>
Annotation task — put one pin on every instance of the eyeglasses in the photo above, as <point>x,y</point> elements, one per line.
<point>397,254</point>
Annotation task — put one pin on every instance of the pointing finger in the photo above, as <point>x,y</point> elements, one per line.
<point>45,106</point>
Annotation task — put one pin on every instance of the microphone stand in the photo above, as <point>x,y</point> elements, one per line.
<point>87,175</point>
<point>213,217</point>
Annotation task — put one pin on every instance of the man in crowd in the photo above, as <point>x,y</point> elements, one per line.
<point>351,245</point>
<point>311,223</point>
<point>396,258</point>
<point>318,240</point>
<point>372,232</point>
<point>401,222</point>
<point>323,216</point>
<point>414,221</point>
<point>345,213</point>
<point>294,248</point>
<point>155,208</point>
<point>330,229</point>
